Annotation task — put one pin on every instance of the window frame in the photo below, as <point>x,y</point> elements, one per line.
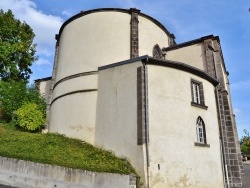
<point>197,93</point>
<point>201,139</point>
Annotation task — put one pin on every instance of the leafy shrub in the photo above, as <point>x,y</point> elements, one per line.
<point>11,97</point>
<point>245,143</point>
<point>14,94</point>
<point>1,115</point>
<point>29,117</point>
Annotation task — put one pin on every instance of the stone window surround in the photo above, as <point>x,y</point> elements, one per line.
<point>201,104</point>
<point>198,143</point>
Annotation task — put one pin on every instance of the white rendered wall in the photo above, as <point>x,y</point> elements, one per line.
<point>172,132</point>
<point>74,116</point>
<point>76,84</point>
<point>192,55</point>
<point>44,87</point>
<point>149,35</point>
<point>116,124</point>
<point>93,40</point>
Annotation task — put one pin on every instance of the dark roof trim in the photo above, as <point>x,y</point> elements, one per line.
<point>166,63</point>
<point>43,79</point>
<point>158,24</point>
<point>189,43</point>
<point>122,62</point>
<point>71,93</point>
<point>83,13</point>
<point>74,76</point>
<point>183,67</point>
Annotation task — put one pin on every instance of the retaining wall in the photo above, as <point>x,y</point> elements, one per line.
<point>25,174</point>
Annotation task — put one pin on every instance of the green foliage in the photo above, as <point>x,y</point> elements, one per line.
<point>29,117</point>
<point>59,150</point>
<point>245,143</point>
<point>14,94</point>
<point>17,51</point>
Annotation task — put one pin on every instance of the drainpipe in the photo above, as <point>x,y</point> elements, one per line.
<point>146,119</point>
<point>221,141</point>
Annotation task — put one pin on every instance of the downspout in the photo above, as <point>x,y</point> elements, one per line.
<point>146,119</point>
<point>221,141</point>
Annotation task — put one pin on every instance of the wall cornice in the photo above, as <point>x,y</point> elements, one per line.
<point>128,11</point>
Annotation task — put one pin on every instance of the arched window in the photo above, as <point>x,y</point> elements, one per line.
<point>201,131</point>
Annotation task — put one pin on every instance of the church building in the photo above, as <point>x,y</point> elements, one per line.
<point>122,83</point>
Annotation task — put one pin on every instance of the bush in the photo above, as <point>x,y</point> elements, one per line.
<point>11,97</point>
<point>245,143</point>
<point>1,115</point>
<point>14,94</point>
<point>29,117</point>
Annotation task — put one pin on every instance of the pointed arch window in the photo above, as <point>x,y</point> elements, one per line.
<point>201,133</point>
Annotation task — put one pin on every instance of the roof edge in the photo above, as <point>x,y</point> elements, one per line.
<point>148,60</point>
<point>128,11</point>
<point>43,79</point>
<point>184,67</point>
<point>191,42</point>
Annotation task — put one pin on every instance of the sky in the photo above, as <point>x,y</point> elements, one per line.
<point>186,19</point>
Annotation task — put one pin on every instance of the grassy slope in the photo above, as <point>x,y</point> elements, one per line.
<point>58,150</point>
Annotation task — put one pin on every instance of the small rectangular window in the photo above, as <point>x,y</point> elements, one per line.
<point>197,94</point>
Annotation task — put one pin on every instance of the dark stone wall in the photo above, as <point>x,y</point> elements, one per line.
<point>215,67</point>
<point>140,106</point>
<point>134,41</point>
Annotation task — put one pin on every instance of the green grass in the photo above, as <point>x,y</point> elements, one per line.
<point>58,150</point>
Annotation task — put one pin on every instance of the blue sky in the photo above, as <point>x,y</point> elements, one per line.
<point>186,19</point>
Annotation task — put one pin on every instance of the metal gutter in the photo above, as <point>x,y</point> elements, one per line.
<point>146,119</point>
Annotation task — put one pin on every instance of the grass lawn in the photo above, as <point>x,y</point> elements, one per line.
<point>58,150</point>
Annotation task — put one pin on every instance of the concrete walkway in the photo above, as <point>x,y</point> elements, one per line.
<point>5,186</point>
<point>246,176</point>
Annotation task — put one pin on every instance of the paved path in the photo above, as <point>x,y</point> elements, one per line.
<point>246,176</point>
<point>5,186</point>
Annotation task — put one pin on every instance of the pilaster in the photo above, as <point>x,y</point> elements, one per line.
<point>134,39</point>
<point>140,106</point>
<point>216,68</point>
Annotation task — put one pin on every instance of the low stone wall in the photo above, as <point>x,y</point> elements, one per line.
<point>19,173</point>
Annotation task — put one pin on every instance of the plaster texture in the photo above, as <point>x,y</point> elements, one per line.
<point>174,159</point>
<point>98,39</point>
<point>150,34</point>
<point>87,82</point>
<point>44,87</point>
<point>75,115</point>
<point>116,124</point>
<point>192,55</point>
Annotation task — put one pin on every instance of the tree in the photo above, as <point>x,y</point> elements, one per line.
<point>245,143</point>
<point>14,94</point>
<point>17,51</point>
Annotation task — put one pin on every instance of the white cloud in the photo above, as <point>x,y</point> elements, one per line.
<point>67,13</point>
<point>45,26</point>
<point>43,51</point>
<point>42,61</point>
